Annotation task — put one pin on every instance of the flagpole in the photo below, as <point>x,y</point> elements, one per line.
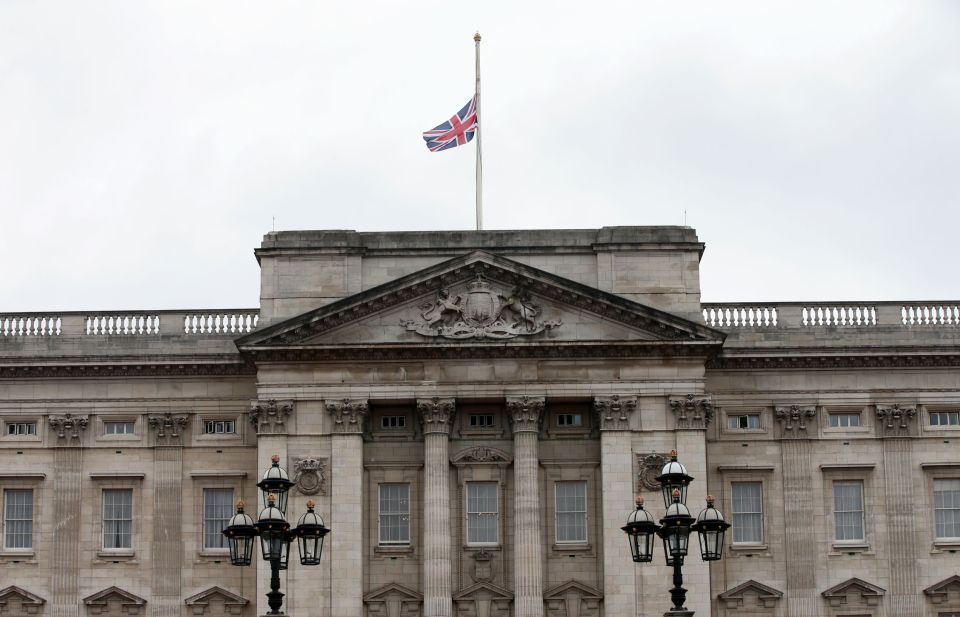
<point>479,181</point>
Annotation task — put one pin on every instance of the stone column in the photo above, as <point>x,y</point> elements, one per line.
<point>525,413</point>
<point>435,417</point>
<point>616,471</point>
<point>67,485</point>
<point>346,506</point>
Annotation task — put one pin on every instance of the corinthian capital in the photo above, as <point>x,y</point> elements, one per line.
<point>614,411</point>
<point>167,428</point>
<point>69,426</point>
<point>270,416</point>
<point>692,411</point>
<point>794,419</point>
<point>436,414</point>
<point>347,414</point>
<point>896,419</point>
<point>525,413</point>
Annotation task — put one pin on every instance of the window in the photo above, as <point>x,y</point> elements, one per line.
<point>747,420</point>
<point>18,518</point>
<point>394,514</point>
<point>571,513</point>
<point>946,508</point>
<point>481,512</point>
<point>219,427</point>
<point>945,418</point>
<point>22,428</point>
<point>569,420</point>
<point>747,512</point>
<point>118,428</point>
<point>393,422</point>
<point>844,420</point>
<point>217,511</point>
<point>481,420</point>
<point>118,518</point>
<point>848,510</point>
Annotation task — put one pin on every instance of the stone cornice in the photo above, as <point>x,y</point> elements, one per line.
<point>347,414</point>
<point>525,413</point>
<point>614,411</point>
<point>806,359</point>
<point>82,367</point>
<point>436,414</point>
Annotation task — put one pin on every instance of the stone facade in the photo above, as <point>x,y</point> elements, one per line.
<point>473,413</point>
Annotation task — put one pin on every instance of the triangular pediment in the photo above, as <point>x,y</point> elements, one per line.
<point>481,299</point>
<point>393,591</point>
<point>216,593</point>
<point>101,598</point>
<point>854,591</point>
<point>942,591</point>
<point>485,591</point>
<point>560,591</point>
<point>750,594</point>
<point>13,592</point>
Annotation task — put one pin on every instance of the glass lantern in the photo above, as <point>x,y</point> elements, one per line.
<point>310,531</point>
<point>641,531</point>
<point>673,477</point>
<point>675,530</point>
<point>711,528</point>
<point>272,529</point>
<point>275,482</point>
<point>240,534</point>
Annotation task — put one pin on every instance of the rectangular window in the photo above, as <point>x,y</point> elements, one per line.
<point>18,518</point>
<point>118,518</point>
<point>393,422</point>
<point>844,420</point>
<point>481,420</point>
<point>945,418</point>
<point>748,420</point>
<point>219,427</point>
<point>217,511</point>
<point>946,508</point>
<point>848,510</point>
<point>747,512</point>
<point>570,420</point>
<point>394,514</point>
<point>571,501</point>
<point>22,428</point>
<point>118,428</point>
<point>481,512</point>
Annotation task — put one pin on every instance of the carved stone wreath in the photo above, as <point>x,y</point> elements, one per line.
<point>650,467</point>
<point>310,475</point>
<point>480,312</point>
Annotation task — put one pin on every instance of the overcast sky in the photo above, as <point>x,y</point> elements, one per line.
<point>146,147</point>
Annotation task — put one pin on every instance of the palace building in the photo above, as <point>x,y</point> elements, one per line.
<point>473,413</point>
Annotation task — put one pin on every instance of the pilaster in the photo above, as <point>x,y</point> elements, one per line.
<point>616,468</point>
<point>525,413</point>
<point>65,567</point>
<point>346,510</point>
<point>167,556</point>
<point>436,415</point>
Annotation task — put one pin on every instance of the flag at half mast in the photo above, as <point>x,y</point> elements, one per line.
<point>457,131</point>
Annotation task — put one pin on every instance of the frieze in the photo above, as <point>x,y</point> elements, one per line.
<point>614,411</point>
<point>310,475</point>
<point>480,312</point>
<point>436,414</point>
<point>794,418</point>
<point>692,411</point>
<point>348,415</point>
<point>270,416</point>
<point>69,426</point>
<point>167,428</point>
<point>525,413</point>
<point>650,466</point>
<point>896,419</point>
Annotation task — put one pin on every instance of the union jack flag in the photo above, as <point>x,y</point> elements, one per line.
<point>456,131</point>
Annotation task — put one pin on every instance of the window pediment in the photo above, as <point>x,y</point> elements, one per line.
<point>232,603</point>
<point>99,603</point>
<point>750,594</point>
<point>947,590</point>
<point>29,603</point>
<point>854,592</point>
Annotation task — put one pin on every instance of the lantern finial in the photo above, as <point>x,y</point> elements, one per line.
<point>276,459</point>
<point>673,454</point>
<point>311,504</point>
<point>639,501</point>
<point>710,500</point>
<point>676,495</point>
<point>271,498</point>
<point>240,505</point>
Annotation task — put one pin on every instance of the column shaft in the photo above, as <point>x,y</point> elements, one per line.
<point>435,418</point>
<point>525,413</point>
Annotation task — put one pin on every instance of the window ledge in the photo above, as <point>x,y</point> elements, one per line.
<point>946,545</point>
<point>393,549</point>
<point>213,556</point>
<point>748,548</point>
<point>482,547</point>
<point>15,556</point>
<point>573,548</point>
<point>843,548</point>
<point>107,556</point>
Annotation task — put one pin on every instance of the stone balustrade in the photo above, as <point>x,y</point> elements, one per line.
<point>227,322</point>
<point>817,315</point>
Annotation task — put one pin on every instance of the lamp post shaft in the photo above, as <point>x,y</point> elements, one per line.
<point>678,594</point>
<point>275,597</point>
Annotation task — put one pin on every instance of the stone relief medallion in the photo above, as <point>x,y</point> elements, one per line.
<point>650,467</point>
<point>480,312</point>
<point>310,475</point>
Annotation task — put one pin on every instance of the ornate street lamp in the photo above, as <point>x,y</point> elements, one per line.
<point>674,529</point>
<point>275,532</point>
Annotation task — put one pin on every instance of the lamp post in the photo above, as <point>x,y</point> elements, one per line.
<point>674,529</point>
<point>275,532</point>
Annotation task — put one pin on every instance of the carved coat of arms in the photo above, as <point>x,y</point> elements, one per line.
<point>310,475</point>
<point>480,312</point>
